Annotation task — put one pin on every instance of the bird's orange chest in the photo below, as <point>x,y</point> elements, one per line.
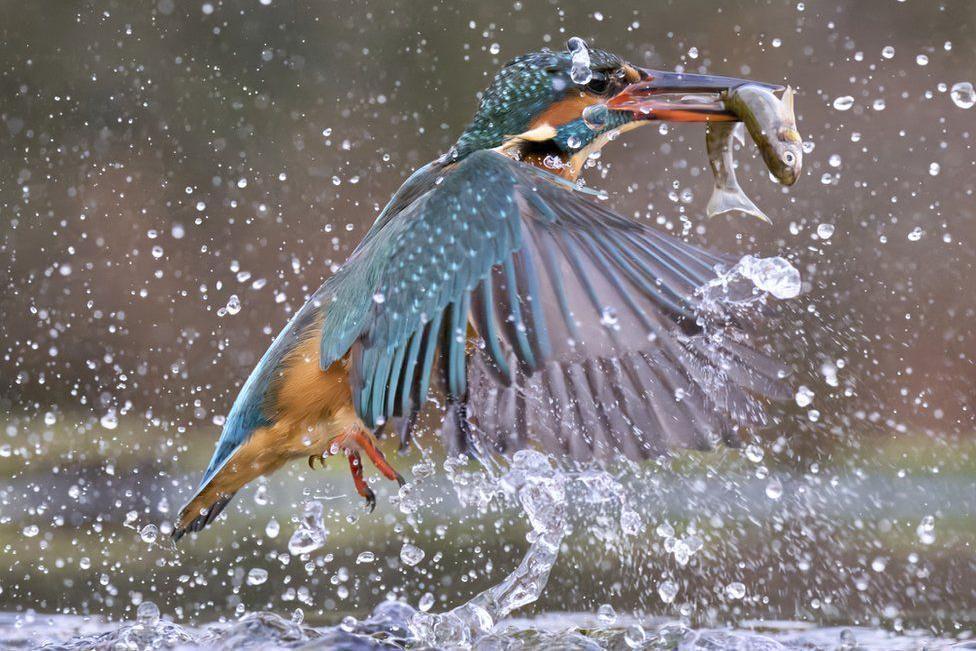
<point>304,393</point>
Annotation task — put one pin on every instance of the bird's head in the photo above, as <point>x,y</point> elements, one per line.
<point>556,108</point>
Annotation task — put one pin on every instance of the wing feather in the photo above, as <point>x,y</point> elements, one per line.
<point>588,321</point>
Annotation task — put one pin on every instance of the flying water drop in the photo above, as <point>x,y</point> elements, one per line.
<point>411,554</point>
<point>580,71</point>
<point>843,103</point>
<point>311,532</point>
<point>595,116</point>
<point>963,95</point>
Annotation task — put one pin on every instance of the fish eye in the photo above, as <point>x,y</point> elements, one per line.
<point>789,158</point>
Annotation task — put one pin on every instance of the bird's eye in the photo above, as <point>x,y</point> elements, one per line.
<point>598,84</point>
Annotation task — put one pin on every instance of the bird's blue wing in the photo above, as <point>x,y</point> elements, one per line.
<point>586,321</point>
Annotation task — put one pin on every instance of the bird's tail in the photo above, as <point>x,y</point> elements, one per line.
<point>245,465</point>
<point>200,511</point>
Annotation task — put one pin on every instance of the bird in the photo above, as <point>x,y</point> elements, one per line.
<point>543,318</point>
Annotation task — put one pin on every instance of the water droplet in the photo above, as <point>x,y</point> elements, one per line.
<point>963,95</point>
<point>804,396</point>
<point>149,533</point>
<point>31,530</point>
<point>410,554</point>
<point>365,557</point>
<point>922,60</point>
<point>843,103</point>
<point>926,530</point>
<point>494,48</point>
<point>574,142</point>
<point>426,602</point>
<point>272,529</point>
<point>311,532</point>
<point>630,521</point>
<point>934,169</point>
<point>754,453</point>
<point>379,298</point>
<point>580,71</point>
<point>147,613</point>
<point>595,116</point>
<point>824,231</point>
<point>916,234</point>
<point>888,51</point>
<point>735,590</point>
<point>109,420</point>
<point>774,489</point>
<point>606,615</point>
<point>608,316</point>
<point>667,590</point>
<point>257,576</point>
<point>233,305</point>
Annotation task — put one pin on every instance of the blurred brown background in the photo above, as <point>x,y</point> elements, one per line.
<point>159,158</point>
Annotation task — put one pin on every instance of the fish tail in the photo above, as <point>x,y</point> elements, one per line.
<point>729,200</point>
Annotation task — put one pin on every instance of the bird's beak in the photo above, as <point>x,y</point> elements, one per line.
<point>679,96</point>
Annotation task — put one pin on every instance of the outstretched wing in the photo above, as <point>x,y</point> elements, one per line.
<point>585,322</point>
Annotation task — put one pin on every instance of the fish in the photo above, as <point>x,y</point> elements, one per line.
<point>727,196</point>
<point>772,125</point>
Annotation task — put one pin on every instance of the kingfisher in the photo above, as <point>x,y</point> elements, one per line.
<point>494,279</point>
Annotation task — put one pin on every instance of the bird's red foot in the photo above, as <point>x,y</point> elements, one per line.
<point>356,468</point>
<point>353,444</point>
<point>365,442</point>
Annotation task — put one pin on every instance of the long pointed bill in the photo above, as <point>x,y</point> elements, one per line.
<point>679,96</point>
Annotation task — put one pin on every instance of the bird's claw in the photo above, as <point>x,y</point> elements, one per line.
<point>353,444</point>
<point>370,499</point>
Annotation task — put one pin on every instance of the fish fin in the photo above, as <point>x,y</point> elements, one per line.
<point>739,133</point>
<point>725,201</point>
<point>788,102</point>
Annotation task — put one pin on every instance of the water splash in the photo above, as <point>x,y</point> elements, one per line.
<point>751,280</point>
<point>545,493</point>
<point>311,532</point>
<point>388,628</point>
<point>541,490</point>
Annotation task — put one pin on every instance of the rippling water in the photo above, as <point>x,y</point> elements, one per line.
<point>389,628</point>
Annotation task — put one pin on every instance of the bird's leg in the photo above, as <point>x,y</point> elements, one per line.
<point>366,442</point>
<point>353,442</point>
<point>356,468</point>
